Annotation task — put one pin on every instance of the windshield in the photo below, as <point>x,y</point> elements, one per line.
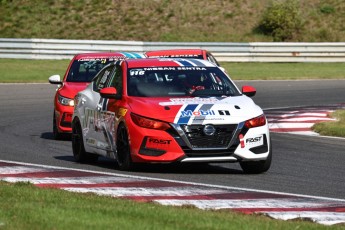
<point>179,81</point>
<point>84,70</point>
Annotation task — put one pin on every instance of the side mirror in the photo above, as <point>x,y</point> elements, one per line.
<point>55,79</point>
<point>249,91</point>
<point>109,92</point>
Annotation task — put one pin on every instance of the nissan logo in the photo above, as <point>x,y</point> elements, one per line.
<point>209,130</point>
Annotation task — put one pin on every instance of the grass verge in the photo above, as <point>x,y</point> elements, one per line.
<point>29,71</point>
<point>284,71</point>
<point>24,206</point>
<point>332,128</point>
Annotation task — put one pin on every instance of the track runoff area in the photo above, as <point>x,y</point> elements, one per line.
<point>285,206</point>
<point>299,120</point>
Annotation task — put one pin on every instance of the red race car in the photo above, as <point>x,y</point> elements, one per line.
<point>183,53</point>
<point>169,110</point>
<point>79,73</point>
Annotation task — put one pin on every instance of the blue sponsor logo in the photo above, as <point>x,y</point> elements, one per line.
<point>189,113</point>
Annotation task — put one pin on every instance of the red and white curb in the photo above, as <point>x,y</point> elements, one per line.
<point>327,211</point>
<point>299,120</point>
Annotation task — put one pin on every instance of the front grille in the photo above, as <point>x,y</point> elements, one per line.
<point>198,139</point>
<point>209,153</point>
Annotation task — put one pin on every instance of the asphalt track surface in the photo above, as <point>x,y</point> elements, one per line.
<point>301,164</point>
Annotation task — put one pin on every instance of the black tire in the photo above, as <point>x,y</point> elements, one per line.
<point>79,153</point>
<point>123,153</point>
<point>256,167</point>
<point>56,134</point>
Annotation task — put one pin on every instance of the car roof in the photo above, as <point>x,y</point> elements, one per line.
<point>174,52</point>
<point>108,54</point>
<point>172,62</point>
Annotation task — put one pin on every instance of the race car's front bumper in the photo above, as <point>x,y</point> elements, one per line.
<point>241,144</point>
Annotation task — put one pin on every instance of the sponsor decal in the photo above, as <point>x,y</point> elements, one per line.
<point>190,113</point>
<point>178,56</point>
<point>190,68</point>
<point>140,72</point>
<point>91,141</point>
<point>255,139</point>
<point>224,112</point>
<point>158,141</point>
<point>159,68</point>
<point>122,112</point>
<point>251,141</point>
<point>196,114</point>
<point>102,59</point>
<point>101,122</point>
<point>195,100</point>
<point>136,72</point>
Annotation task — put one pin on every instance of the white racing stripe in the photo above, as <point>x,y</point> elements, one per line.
<point>326,218</point>
<point>22,169</point>
<point>158,191</point>
<point>285,115</point>
<point>249,203</point>
<point>289,125</point>
<point>307,133</point>
<point>301,119</point>
<point>72,180</point>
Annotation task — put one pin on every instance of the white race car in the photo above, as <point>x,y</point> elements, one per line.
<point>169,110</point>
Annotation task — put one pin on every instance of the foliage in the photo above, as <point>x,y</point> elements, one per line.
<point>327,9</point>
<point>282,20</point>
<point>164,20</point>
<point>333,128</point>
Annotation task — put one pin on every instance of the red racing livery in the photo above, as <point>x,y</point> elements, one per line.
<point>169,110</point>
<point>183,53</point>
<point>79,73</point>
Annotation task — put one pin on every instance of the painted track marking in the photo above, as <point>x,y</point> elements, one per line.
<point>283,206</point>
<point>299,120</point>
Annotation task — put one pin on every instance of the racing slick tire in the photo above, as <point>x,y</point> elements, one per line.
<point>56,134</point>
<point>123,153</point>
<point>79,153</point>
<point>256,167</point>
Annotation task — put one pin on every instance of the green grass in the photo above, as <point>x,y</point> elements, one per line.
<point>29,71</point>
<point>24,206</point>
<point>332,128</point>
<point>17,70</point>
<point>164,20</point>
<point>284,71</point>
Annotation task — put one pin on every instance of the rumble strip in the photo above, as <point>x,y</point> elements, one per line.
<point>283,206</point>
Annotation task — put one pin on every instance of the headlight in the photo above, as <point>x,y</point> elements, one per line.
<point>149,123</point>
<point>65,101</point>
<point>256,122</point>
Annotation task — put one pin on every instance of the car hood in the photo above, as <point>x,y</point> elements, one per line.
<point>214,110</point>
<point>70,89</point>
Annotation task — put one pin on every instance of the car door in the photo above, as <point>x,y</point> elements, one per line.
<point>106,117</point>
<point>94,107</point>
